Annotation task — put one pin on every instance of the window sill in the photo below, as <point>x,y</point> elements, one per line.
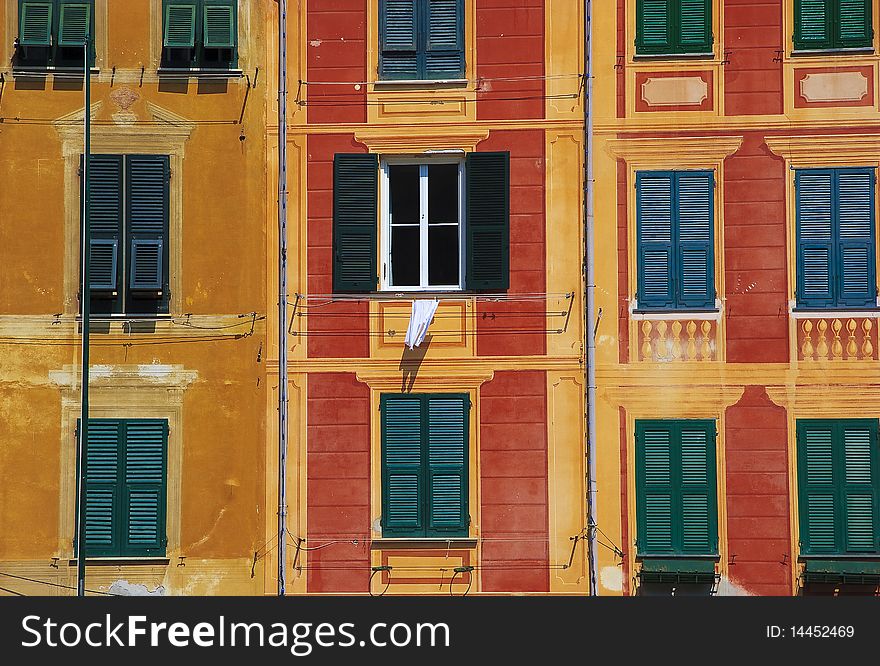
<point>390,543</point>
<point>199,73</point>
<point>673,56</point>
<point>419,83</point>
<point>862,50</point>
<point>45,72</point>
<point>856,313</point>
<point>675,315</point>
<point>123,561</point>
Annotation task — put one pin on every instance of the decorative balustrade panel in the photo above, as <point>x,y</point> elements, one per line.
<point>677,340</point>
<point>837,339</point>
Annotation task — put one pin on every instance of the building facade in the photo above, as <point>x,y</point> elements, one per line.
<point>436,153</point>
<point>736,260</point>
<point>174,472</point>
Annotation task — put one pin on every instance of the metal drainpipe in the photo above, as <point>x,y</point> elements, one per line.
<point>590,316</point>
<point>282,297</point>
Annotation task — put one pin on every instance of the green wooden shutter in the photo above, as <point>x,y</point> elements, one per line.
<point>105,221</point>
<point>398,34</point>
<point>219,26</point>
<point>813,24</point>
<point>695,26</point>
<point>854,208</point>
<point>654,235</point>
<point>180,26</point>
<point>447,486</point>
<point>488,221</point>
<point>814,220</point>
<point>698,510</point>
<point>102,500</point>
<point>653,27</point>
<point>75,24</point>
<point>147,178</point>
<point>859,475</point>
<point>35,24</point>
<point>817,498</point>
<point>146,445</point>
<point>655,488</point>
<point>444,49</point>
<point>854,24</point>
<point>403,478</point>
<point>695,252</point>
<point>355,222</point>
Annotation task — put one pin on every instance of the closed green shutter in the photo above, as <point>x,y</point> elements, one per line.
<point>398,34</point>
<point>695,26</point>
<point>653,26</point>
<point>219,25</point>
<point>180,26</point>
<point>833,24</point>
<point>695,225</point>
<point>35,24</point>
<point>146,443</point>
<point>147,178</point>
<point>355,222</point>
<point>670,27</point>
<point>814,197</point>
<point>854,24</point>
<point>655,235</point>
<point>74,25</point>
<point>447,464</point>
<point>488,221</point>
<point>838,477</point>
<point>102,500</point>
<point>813,24</point>
<point>402,466</point>
<point>105,222</point>
<point>856,261</point>
<point>444,49</point>
<point>676,502</point>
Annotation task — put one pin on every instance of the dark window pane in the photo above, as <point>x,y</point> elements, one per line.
<point>405,255</point>
<point>442,193</point>
<point>443,255</point>
<point>404,186</point>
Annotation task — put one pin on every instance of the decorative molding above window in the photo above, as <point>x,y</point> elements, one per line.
<point>665,151</point>
<point>825,149</point>
<point>394,141</point>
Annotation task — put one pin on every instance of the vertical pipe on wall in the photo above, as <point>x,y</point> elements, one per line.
<point>282,297</point>
<point>85,306</point>
<point>590,284</point>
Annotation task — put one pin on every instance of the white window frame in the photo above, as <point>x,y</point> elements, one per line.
<point>385,212</point>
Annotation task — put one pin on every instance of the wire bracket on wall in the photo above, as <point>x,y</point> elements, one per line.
<point>382,569</point>
<point>469,570</point>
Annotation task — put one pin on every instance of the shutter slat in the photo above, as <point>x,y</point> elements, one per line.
<point>402,466</point>
<point>101,502</point>
<point>444,56</point>
<point>812,24</point>
<point>654,478</point>
<point>355,222</point>
<point>148,206</point>
<point>855,214</point>
<point>488,221</point>
<point>695,211</point>
<point>219,26</point>
<point>818,524</point>
<point>180,26</point>
<point>103,264</point>
<point>105,221</point>
<point>35,24</point>
<point>74,26</point>
<point>854,23</point>
<point>695,24</point>
<point>653,27</point>
<point>447,464</point>
<point>398,55</point>
<point>815,233</point>
<point>654,224</point>
<point>144,477</point>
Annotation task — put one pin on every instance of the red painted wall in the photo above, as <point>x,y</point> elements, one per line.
<point>336,329</point>
<point>755,254</point>
<point>752,39</point>
<point>518,327</point>
<point>758,525</point>
<point>338,488</point>
<point>336,51</point>
<point>510,45</point>
<point>513,466</point>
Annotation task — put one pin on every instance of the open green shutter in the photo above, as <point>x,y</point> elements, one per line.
<point>102,500</point>
<point>398,35</point>
<point>355,222</point>
<point>488,221</point>
<point>447,485</point>
<point>859,476</point>
<point>699,515</point>
<point>74,25</point>
<point>695,26</point>
<point>219,26</point>
<point>403,479</point>
<point>180,26</point>
<point>146,445</point>
<point>818,503</point>
<point>813,21</point>
<point>695,252</point>
<point>654,239</point>
<point>854,25</point>
<point>147,178</point>
<point>444,51</point>
<point>854,208</point>
<point>814,196</point>
<point>105,222</point>
<point>35,24</point>
<point>655,494</point>
<point>653,26</point>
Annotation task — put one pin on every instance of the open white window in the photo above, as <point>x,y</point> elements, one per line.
<point>422,224</point>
